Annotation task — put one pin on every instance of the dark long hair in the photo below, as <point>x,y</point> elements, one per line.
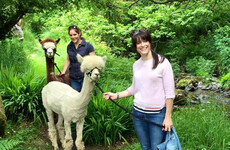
<point>142,34</point>
<point>75,28</point>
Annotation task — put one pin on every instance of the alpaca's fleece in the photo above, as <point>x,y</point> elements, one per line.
<point>90,62</point>
<point>70,105</point>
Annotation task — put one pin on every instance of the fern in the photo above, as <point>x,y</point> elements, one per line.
<point>9,144</point>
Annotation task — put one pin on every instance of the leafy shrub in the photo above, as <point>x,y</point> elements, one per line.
<point>175,67</point>
<point>13,55</point>
<point>25,133</point>
<point>21,94</point>
<point>225,81</point>
<point>222,43</point>
<point>200,67</point>
<point>9,144</point>
<point>118,71</point>
<point>106,123</point>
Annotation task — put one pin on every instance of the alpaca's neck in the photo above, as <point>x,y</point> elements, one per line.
<point>50,75</point>
<point>86,90</point>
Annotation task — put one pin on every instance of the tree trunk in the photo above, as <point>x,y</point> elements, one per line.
<point>2,118</point>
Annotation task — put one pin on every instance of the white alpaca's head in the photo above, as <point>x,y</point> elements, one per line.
<point>92,65</point>
<point>49,46</point>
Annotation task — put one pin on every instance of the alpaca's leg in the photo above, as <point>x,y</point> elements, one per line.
<point>68,142</point>
<point>52,130</point>
<point>79,129</point>
<point>61,130</point>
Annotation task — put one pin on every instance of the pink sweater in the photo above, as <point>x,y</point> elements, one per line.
<point>151,87</point>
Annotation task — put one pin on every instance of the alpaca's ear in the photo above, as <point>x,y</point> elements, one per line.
<point>57,41</point>
<point>104,58</point>
<point>79,58</point>
<point>40,41</point>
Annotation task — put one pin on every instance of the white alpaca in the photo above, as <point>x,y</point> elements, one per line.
<point>70,105</point>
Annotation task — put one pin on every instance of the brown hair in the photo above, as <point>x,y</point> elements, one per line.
<point>75,28</point>
<point>142,34</point>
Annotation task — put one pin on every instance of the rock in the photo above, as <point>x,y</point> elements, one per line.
<point>183,97</point>
<point>187,82</point>
<point>180,98</point>
<point>2,118</point>
<point>226,93</point>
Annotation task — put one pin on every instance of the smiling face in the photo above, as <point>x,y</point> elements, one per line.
<point>74,36</point>
<point>141,40</point>
<point>143,47</point>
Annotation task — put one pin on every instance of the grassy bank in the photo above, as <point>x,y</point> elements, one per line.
<point>203,127</point>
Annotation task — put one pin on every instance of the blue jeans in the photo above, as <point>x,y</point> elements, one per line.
<point>149,135</point>
<point>76,84</point>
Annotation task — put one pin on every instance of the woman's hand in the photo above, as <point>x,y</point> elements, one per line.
<point>61,74</point>
<point>167,123</point>
<point>108,95</point>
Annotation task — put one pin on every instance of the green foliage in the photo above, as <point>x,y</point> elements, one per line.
<point>13,10</point>
<point>182,33</point>
<point>203,127</point>
<point>117,69</point>
<point>225,81</point>
<point>13,55</point>
<point>26,133</point>
<point>107,123</point>
<point>200,67</point>
<point>175,67</point>
<point>21,93</point>
<point>9,144</point>
<point>222,43</point>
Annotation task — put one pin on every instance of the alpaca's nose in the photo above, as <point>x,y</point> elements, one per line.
<point>49,52</point>
<point>97,74</point>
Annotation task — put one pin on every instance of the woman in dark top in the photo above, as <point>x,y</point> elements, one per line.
<point>78,45</point>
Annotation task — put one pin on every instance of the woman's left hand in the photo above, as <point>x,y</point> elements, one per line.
<point>167,123</point>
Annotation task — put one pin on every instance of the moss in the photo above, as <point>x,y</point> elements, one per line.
<point>187,81</point>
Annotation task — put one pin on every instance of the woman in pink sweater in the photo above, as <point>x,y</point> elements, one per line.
<point>153,90</point>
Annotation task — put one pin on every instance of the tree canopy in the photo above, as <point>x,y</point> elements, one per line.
<point>13,10</point>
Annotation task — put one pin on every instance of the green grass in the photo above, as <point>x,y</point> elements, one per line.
<point>204,127</point>
<point>25,135</point>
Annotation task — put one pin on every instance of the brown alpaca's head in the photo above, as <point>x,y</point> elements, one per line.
<point>49,46</point>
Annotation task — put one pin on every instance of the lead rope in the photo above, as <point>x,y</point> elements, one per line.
<point>62,76</point>
<point>153,123</point>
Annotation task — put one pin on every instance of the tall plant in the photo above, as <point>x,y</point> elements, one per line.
<point>21,94</point>
<point>222,43</point>
<point>13,55</point>
<point>106,123</point>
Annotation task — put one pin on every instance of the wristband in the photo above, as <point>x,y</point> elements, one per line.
<point>118,96</point>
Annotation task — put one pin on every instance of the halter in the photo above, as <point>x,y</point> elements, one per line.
<point>91,71</point>
<point>55,51</point>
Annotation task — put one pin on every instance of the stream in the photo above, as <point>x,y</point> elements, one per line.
<point>206,95</point>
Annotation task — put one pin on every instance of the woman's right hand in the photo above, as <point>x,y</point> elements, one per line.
<point>61,74</point>
<point>110,95</point>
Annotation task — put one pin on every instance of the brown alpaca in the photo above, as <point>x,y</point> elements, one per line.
<point>49,47</point>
